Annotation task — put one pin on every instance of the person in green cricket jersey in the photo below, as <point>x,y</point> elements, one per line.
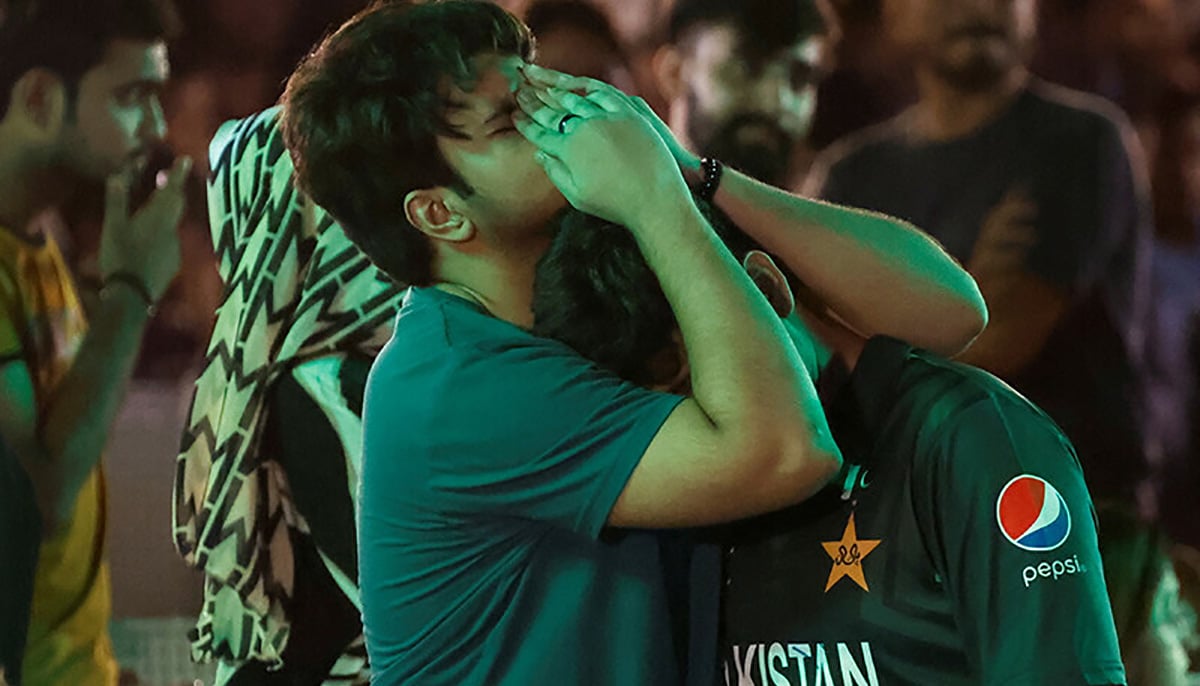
<point>957,546</point>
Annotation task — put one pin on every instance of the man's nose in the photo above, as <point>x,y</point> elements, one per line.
<point>769,92</point>
<point>774,93</point>
<point>154,122</point>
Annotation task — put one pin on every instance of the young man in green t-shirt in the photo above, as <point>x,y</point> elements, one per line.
<point>495,461</point>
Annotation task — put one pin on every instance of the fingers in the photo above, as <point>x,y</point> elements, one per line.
<point>116,199</point>
<point>606,96</point>
<point>171,181</point>
<point>1007,235</point>
<point>1016,206</point>
<point>545,138</point>
<point>1011,221</point>
<point>569,102</point>
<point>177,175</point>
<point>542,76</point>
<point>1019,213</point>
<point>166,205</point>
<point>558,173</point>
<point>611,100</point>
<point>1017,231</point>
<point>538,110</point>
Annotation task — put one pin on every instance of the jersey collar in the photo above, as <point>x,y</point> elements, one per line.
<point>860,410</point>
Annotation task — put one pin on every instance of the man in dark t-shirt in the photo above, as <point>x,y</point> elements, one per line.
<point>958,546</point>
<point>1037,191</point>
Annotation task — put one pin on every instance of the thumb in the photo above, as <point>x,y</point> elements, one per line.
<point>116,199</point>
<point>559,175</point>
<point>178,173</point>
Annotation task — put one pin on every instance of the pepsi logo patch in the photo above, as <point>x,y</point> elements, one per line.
<point>1032,514</point>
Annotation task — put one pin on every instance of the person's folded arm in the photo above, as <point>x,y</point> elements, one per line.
<point>879,274</point>
<point>753,437</point>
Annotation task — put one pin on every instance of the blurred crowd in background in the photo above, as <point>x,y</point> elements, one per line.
<point>1143,55</point>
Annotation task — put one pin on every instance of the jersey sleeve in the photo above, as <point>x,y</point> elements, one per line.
<point>1090,207</point>
<point>1012,532</point>
<point>546,436</point>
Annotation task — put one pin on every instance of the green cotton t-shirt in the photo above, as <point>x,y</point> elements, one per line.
<point>492,459</point>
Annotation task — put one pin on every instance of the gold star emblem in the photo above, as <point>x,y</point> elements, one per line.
<point>847,555</point>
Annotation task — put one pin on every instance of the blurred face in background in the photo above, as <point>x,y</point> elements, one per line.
<point>970,44</point>
<point>574,51</point>
<point>116,119</point>
<point>743,105</point>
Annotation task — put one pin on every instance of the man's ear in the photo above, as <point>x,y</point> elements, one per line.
<point>38,103</point>
<point>667,65</point>
<point>770,280</point>
<point>669,370</point>
<point>432,211</point>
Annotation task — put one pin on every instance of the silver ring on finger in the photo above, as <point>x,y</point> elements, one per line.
<point>562,123</point>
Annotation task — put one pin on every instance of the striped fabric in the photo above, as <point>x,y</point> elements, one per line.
<point>296,290</point>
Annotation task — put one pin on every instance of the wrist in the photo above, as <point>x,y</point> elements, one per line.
<point>662,209</point>
<point>690,165</point>
<point>674,231</point>
<point>126,287</point>
<point>711,171</point>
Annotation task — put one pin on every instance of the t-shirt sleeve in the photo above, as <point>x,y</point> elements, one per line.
<point>545,435</point>
<point>824,177</point>
<point>1089,206</point>
<point>1013,535</point>
<point>11,343</point>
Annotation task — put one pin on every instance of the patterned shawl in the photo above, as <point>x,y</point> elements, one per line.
<point>295,289</point>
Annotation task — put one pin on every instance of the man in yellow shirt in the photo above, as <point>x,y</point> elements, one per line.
<point>79,104</point>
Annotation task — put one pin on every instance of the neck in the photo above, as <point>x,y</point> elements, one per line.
<point>843,343</point>
<point>944,112</point>
<point>26,190</point>
<point>500,283</point>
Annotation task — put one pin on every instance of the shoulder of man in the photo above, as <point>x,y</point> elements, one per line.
<point>1084,116</point>
<point>939,391</point>
<point>844,155</point>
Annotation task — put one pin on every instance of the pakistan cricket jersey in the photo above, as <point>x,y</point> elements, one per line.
<point>957,547</point>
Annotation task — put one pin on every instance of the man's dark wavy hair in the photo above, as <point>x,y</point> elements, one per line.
<point>594,291</point>
<point>70,37</point>
<point>362,113</point>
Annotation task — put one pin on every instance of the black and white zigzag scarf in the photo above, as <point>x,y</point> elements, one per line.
<point>296,289</point>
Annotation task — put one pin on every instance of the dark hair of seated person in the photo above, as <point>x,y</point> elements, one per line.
<point>594,292</point>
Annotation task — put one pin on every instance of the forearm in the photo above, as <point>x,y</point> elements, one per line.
<point>878,274</point>
<point>76,422</point>
<point>1025,310</point>
<point>745,371</point>
<point>1001,349</point>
